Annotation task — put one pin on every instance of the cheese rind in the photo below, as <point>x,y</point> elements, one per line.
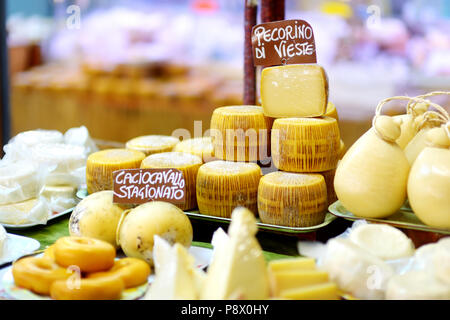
<point>152,144</point>
<point>240,133</point>
<point>187,163</point>
<point>292,199</point>
<point>305,144</point>
<point>238,267</point>
<point>101,165</point>
<point>223,185</point>
<point>294,91</point>
<point>329,181</point>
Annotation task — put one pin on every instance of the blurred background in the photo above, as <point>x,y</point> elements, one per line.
<point>135,67</point>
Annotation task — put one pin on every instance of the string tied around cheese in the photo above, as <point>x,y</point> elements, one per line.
<point>388,130</point>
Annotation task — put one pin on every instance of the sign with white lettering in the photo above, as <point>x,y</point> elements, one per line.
<point>283,42</point>
<point>136,186</point>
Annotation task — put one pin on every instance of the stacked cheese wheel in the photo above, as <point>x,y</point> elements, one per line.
<point>305,144</point>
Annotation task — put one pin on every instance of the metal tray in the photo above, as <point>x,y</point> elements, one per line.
<point>195,214</point>
<point>404,218</point>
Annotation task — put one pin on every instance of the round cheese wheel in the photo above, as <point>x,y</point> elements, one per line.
<point>152,144</point>
<point>202,147</point>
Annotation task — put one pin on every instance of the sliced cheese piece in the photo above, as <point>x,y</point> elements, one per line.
<point>3,237</point>
<point>332,111</point>
<point>176,277</point>
<point>238,267</point>
<point>18,182</point>
<point>101,165</point>
<point>305,144</point>
<point>416,285</point>
<point>322,291</point>
<point>225,185</point>
<point>355,270</point>
<point>383,241</point>
<point>29,211</point>
<point>294,91</point>
<point>201,147</point>
<point>240,133</point>
<point>152,144</point>
<point>187,163</point>
<point>292,199</point>
<point>292,264</point>
<point>285,280</point>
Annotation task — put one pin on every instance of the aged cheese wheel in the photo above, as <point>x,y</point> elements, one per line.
<point>292,199</point>
<point>101,165</point>
<point>240,133</point>
<point>202,147</point>
<point>329,181</point>
<point>187,163</point>
<point>152,144</point>
<point>305,144</point>
<point>225,185</point>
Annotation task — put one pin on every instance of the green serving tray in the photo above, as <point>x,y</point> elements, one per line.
<point>403,219</point>
<point>195,214</point>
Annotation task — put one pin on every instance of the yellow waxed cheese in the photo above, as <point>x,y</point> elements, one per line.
<point>323,291</point>
<point>294,91</point>
<point>101,165</point>
<point>187,163</point>
<point>152,144</point>
<point>329,181</point>
<point>331,111</point>
<point>240,133</point>
<point>286,280</point>
<point>305,144</point>
<point>225,185</point>
<point>202,147</point>
<point>292,264</point>
<point>292,199</point>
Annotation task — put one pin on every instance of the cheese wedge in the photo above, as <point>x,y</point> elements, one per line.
<point>285,280</point>
<point>322,291</point>
<point>238,267</point>
<point>176,277</point>
<point>294,91</point>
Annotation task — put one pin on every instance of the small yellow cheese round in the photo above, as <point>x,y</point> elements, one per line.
<point>101,165</point>
<point>240,133</point>
<point>225,185</point>
<point>187,163</point>
<point>202,147</point>
<point>152,144</point>
<point>292,199</point>
<point>305,144</point>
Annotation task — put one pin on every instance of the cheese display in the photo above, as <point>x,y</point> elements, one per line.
<point>176,277</point>
<point>152,144</point>
<point>305,144</point>
<point>225,185</point>
<point>187,163</point>
<point>201,147</point>
<point>429,187</point>
<point>240,133</point>
<point>416,285</point>
<point>238,268</point>
<point>18,182</point>
<point>101,165</point>
<point>371,178</point>
<point>294,91</point>
<point>138,227</point>
<point>96,216</point>
<point>383,241</point>
<point>292,199</point>
<point>355,270</point>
